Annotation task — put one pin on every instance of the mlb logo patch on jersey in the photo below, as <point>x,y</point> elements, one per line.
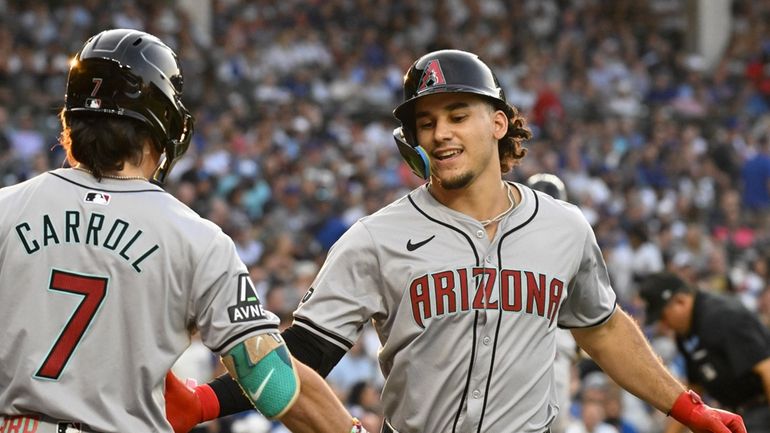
<point>97,198</point>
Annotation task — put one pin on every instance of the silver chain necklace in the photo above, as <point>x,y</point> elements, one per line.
<point>108,176</point>
<point>485,223</point>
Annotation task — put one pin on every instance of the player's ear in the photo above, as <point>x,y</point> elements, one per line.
<point>500,124</point>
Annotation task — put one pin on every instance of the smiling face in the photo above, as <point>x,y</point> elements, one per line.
<point>459,132</point>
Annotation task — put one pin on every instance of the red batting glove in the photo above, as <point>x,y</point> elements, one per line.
<point>187,407</point>
<point>690,410</point>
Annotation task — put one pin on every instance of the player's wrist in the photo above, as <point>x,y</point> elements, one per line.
<point>209,402</point>
<point>684,405</point>
<point>690,410</point>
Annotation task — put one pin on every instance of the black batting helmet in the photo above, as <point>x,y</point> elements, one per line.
<point>124,72</point>
<point>442,71</point>
<point>549,184</point>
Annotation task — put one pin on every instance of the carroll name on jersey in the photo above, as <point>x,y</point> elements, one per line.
<point>75,227</point>
<point>447,292</point>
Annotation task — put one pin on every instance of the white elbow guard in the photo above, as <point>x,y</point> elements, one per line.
<point>263,367</point>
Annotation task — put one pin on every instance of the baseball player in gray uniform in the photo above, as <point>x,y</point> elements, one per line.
<point>566,348</point>
<point>103,275</point>
<point>467,278</point>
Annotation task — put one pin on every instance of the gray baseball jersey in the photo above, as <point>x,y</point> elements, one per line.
<point>100,285</point>
<point>467,324</point>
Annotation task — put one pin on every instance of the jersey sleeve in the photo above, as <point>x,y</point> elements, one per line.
<point>344,294</point>
<point>225,304</point>
<point>590,298</point>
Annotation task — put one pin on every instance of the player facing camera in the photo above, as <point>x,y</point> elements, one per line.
<point>453,71</point>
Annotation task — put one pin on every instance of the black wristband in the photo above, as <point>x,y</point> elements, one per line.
<point>231,398</point>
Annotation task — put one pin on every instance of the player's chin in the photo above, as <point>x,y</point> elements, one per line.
<point>454,180</point>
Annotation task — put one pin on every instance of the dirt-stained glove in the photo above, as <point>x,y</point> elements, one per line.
<point>188,405</point>
<point>690,410</point>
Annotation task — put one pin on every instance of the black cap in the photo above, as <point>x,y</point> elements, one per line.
<point>656,290</point>
<point>549,184</point>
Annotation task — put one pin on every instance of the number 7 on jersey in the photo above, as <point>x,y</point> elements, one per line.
<point>93,289</point>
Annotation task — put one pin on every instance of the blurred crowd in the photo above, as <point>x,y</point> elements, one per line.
<point>667,156</point>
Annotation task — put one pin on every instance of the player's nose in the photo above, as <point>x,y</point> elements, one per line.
<point>443,131</point>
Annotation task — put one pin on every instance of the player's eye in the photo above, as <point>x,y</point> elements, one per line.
<point>457,118</point>
<point>424,125</point>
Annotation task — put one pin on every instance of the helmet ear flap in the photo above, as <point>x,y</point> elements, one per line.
<point>549,184</point>
<point>173,149</point>
<point>414,155</point>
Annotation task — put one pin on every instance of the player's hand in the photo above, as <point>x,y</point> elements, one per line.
<point>188,405</point>
<point>690,410</point>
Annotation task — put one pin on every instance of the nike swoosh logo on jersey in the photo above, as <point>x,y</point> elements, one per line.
<point>411,247</point>
<point>255,395</point>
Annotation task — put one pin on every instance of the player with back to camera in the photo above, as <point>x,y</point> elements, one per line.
<point>467,277</point>
<point>103,275</point>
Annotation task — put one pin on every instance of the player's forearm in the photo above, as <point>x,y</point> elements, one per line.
<point>674,426</point>
<point>283,388</point>
<point>622,351</point>
<point>304,347</point>
<point>316,406</point>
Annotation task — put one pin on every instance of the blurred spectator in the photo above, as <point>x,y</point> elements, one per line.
<point>355,366</point>
<point>763,306</point>
<point>26,138</point>
<point>755,175</point>
<point>364,403</point>
<point>731,229</point>
<point>614,411</point>
<point>633,261</point>
<point>592,416</point>
<point>6,149</point>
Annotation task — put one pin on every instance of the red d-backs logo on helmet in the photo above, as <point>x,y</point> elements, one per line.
<point>431,76</point>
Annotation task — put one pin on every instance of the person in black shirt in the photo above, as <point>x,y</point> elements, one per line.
<point>725,346</point>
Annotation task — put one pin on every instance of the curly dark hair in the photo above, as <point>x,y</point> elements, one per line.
<point>510,147</point>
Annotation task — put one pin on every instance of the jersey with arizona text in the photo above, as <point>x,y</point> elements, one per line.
<point>101,284</point>
<point>467,324</point>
